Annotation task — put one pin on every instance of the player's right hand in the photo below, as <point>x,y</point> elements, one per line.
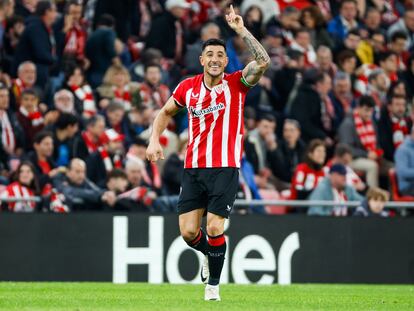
<point>154,152</point>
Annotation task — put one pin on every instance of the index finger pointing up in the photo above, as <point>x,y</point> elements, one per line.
<point>231,9</point>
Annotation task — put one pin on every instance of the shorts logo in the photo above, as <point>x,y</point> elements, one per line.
<point>202,112</point>
<point>228,208</point>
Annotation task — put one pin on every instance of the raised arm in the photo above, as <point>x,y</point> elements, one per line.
<point>255,69</point>
<point>154,150</point>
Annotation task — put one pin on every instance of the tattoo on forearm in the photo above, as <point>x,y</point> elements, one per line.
<point>260,54</point>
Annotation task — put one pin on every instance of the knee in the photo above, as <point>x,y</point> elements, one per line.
<point>214,229</point>
<point>189,232</point>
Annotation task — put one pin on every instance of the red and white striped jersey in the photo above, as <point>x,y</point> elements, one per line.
<point>215,120</point>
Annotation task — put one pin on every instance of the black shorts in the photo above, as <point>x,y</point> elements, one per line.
<point>214,189</point>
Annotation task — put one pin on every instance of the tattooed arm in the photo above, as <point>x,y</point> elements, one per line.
<point>255,69</point>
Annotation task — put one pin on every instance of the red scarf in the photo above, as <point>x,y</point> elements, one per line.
<point>35,117</point>
<point>92,146</point>
<point>18,88</point>
<point>366,132</point>
<point>56,199</point>
<point>75,42</point>
<point>17,190</point>
<point>110,164</point>
<point>123,96</point>
<point>8,138</point>
<point>156,182</point>
<point>399,130</point>
<point>155,96</point>
<point>85,95</point>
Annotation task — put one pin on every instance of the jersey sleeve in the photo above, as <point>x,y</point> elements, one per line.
<point>240,82</point>
<point>179,93</point>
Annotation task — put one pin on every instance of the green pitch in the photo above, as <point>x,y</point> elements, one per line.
<point>138,296</point>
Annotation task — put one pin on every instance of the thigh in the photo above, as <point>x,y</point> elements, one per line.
<point>222,191</point>
<point>193,195</point>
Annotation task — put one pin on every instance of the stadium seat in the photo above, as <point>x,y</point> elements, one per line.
<point>394,189</point>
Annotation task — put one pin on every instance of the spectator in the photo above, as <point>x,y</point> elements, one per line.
<point>26,8</point>
<point>388,61</point>
<point>153,93</point>
<point>117,119</point>
<point>333,188</point>
<point>253,19</point>
<point>91,139</point>
<point>70,34</point>
<point>117,182</point>
<point>42,157</point>
<point>302,43</point>
<point>37,43</point>
<point>351,42</point>
<point>347,62</point>
<point>316,118</point>
<point>173,44</point>
<point>406,25</point>
<point>343,155</point>
<point>102,48</point>
<point>117,86</point>
<point>359,132</point>
<point>81,193</point>
<point>66,128</point>
<point>291,149</point>
<point>273,44</point>
<point>134,170</point>
<point>13,32</point>
<point>372,21</point>
<point>341,97</point>
<point>309,173</point>
<point>64,101</point>
<point>393,126</point>
<point>345,21</point>
<point>373,205</point>
<point>12,137</point>
<point>404,165</point>
<point>24,186</point>
<point>324,61</point>
<point>312,19</point>
<point>106,158</point>
<point>26,79</point>
<point>30,118</point>
<point>287,23</point>
<point>398,45</point>
<point>191,60</point>
<point>82,92</point>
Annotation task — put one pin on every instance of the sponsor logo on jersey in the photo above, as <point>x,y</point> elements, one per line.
<point>202,112</point>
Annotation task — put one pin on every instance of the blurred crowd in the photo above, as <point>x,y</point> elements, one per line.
<point>82,81</point>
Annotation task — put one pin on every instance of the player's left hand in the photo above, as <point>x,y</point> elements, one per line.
<point>235,21</point>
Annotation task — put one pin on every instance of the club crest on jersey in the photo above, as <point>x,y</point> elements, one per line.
<point>218,89</point>
<point>202,112</point>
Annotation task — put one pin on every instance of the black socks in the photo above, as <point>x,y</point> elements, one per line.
<point>216,250</point>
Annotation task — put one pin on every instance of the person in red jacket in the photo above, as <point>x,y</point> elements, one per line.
<point>310,172</point>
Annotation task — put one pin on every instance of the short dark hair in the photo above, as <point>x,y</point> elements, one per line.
<point>342,149</point>
<point>214,41</point>
<point>366,101</point>
<point>383,56</point>
<point>346,1</point>
<point>267,117</point>
<point>31,92</point>
<point>92,120</point>
<point>353,31</point>
<point>300,30</point>
<point>42,135</point>
<point>116,173</point>
<point>313,76</point>
<point>398,35</point>
<point>396,96</point>
<point>106,20</point>
<point>147,66</point>
<point>66,119</point>
<point>42,7</point>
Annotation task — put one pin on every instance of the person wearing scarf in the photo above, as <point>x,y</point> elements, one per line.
<point>359,132</point>
<point>153,93</point>
<point>309,173</point>
<point>26,79</point>
<point>393,125</point>
<point>90,139</point>
<point>109,156</point>
<point>29,116</point>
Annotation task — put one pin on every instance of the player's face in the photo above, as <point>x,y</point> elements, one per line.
<point>214,60</point>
